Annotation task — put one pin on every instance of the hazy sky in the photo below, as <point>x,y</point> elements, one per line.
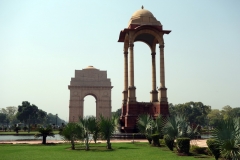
<point>43,42</point>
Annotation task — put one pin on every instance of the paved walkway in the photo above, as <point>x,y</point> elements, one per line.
<point>199,142</point>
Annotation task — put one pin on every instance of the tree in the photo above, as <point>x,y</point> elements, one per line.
<point>51,118</point>
<point>27,112</point>
<point>145,125</point>
<point>94,130</point>
<point>195,112</point>
<point>227,134</point>
<point>72,132</point>
<point>3,118</point>
<point>226,112</point>
<point>107,128</point>
<point>150,127</point>
<point>178,127</point>
<point>10,112</point>
<point>235,112</point>
<point>41,115</point>
<point>93,127</point>
<point>89,125</point>
<point>229,112</point>
<point>214,117</point>
<point>172,109</point>
<point>119,112</point>
<point>44,132</point>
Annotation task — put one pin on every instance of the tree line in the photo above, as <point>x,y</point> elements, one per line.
<point>26,115</point>
<point>203,115</point>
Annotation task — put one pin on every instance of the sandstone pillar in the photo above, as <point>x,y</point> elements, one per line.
<point>162,89</point>
<point>131,89</point>
<point>125,91</point>
<point>154,92</point>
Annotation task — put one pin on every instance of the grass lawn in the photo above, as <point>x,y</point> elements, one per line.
<point>120,151</point>
<point>23,132</point>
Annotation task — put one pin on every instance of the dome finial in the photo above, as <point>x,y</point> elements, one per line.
<point>142,7</point>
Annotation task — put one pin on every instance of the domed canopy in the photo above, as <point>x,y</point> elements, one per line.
<point>143,17</point>
<point>143,20</point>
<point>142,12</point>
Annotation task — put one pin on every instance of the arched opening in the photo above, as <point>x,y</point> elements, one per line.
<point>143,71</point>
<point>89,106</point>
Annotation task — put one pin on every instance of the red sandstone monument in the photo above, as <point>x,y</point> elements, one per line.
<point>144,27</point>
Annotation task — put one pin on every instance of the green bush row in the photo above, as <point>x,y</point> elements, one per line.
<point>214,148</point>
<point>183,145</point>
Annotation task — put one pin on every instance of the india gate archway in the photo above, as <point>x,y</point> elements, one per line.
<point>89,81</point>
<point>144,27</point>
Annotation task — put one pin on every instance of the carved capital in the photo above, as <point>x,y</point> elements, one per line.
<point>153,54</point>
<point>131,45</point>
<point>161,46</point>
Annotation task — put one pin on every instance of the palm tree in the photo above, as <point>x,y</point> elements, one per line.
<point>177,127</point>
<point>44,132</point>
<point>227,135</point>
<point>148,126</point>
<point>85,123</point>
<point>158,125</point>
<point>145,125</point>
<point>93,127</point>
<point>107,128</point>
<point>72,132</point>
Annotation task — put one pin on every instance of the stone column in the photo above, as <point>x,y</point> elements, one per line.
<point>162,73</point>
<point>131,63</point>
<point>125,91</point>
<point>162,89</point>
<point>131,89</point>
<point>154,92</point>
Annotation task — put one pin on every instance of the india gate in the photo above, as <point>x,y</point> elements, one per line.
<point>144,27</point>
<point>89,81</point>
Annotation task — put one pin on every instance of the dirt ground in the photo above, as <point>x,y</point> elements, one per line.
<point>198,142</point>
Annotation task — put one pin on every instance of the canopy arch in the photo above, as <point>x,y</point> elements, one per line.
<point>144,27</point>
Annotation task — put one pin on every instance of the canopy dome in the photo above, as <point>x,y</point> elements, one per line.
<point>142,12</point>
<point>143,17</point>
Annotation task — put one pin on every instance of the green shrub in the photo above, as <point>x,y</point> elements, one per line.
<point>183,145</point>
<point>208,152</point>
<point>149,138</point>
<point>161,141</point>
<point>169,142</point>
<point>155,138</point>
<point>214,148</point>
<point>25,128</point>
<point>198,150</point>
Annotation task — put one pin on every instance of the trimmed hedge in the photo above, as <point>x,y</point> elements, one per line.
<point>162,142</point>
<point>169,142</point>
<point>214,148</point>
<point>183,145</point>
<point>199,150</point>
<point>155,138</point>
<point>149,138</point>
